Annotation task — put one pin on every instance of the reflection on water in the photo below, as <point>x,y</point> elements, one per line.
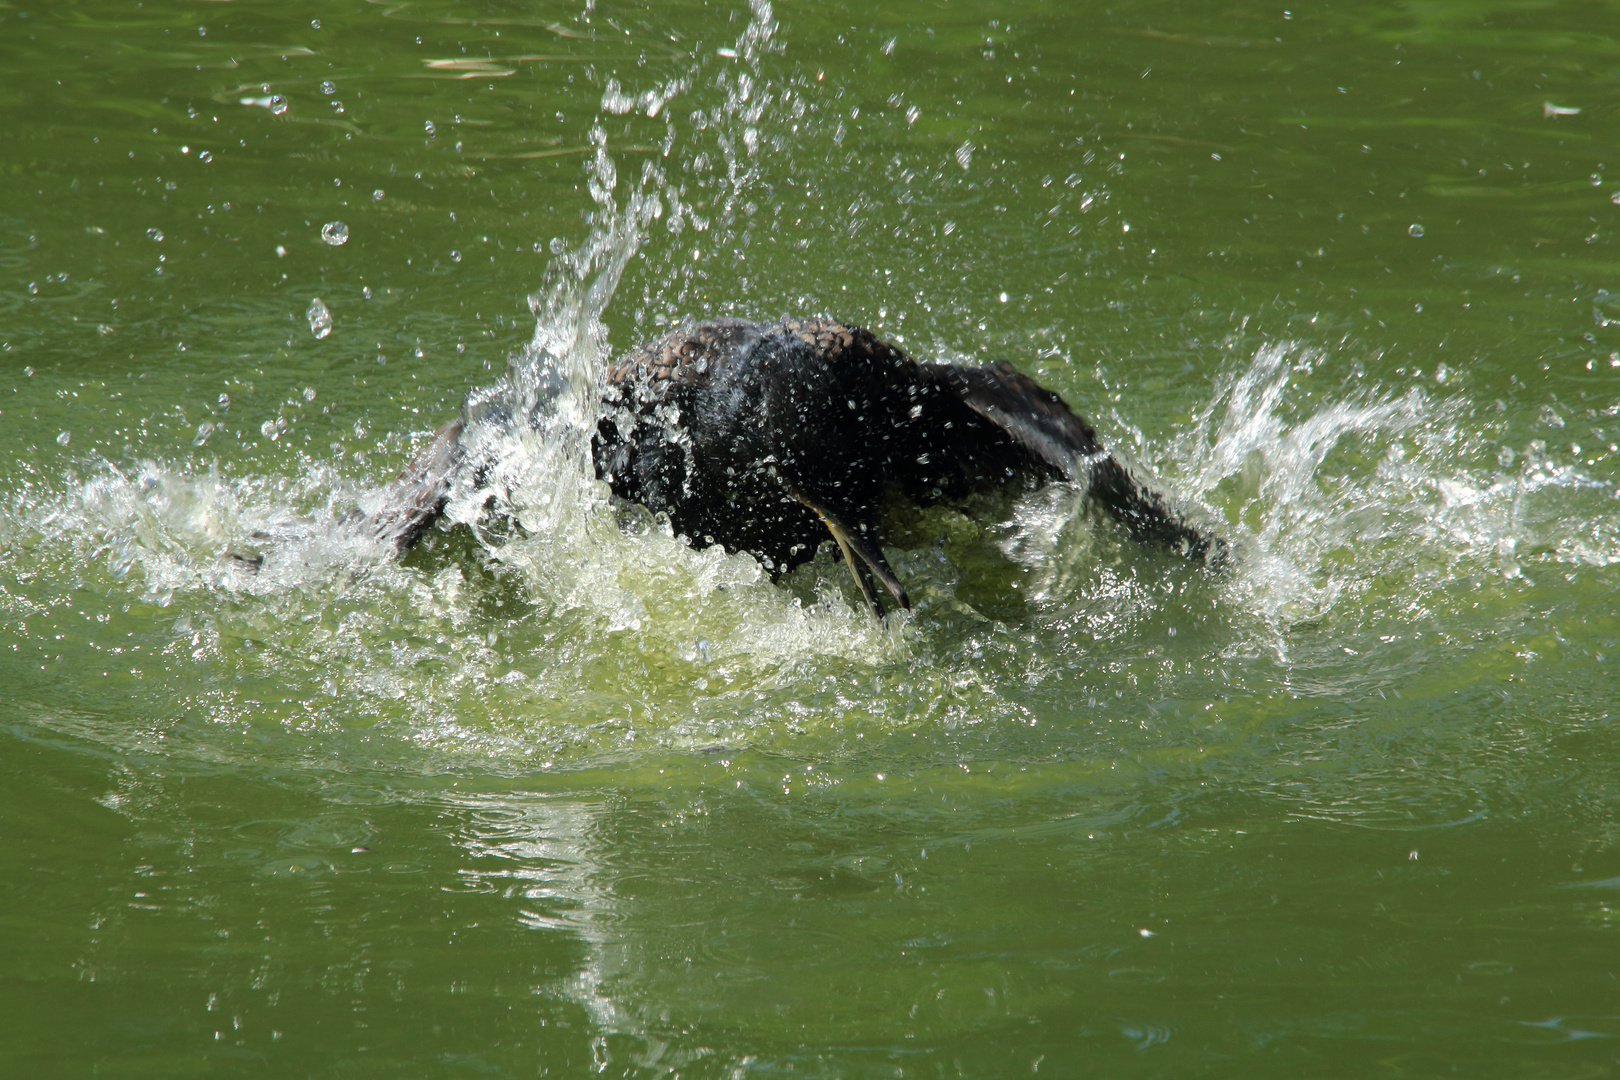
<point>549,865</point>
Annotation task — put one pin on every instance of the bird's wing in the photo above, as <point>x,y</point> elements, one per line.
<point>1042,423</point>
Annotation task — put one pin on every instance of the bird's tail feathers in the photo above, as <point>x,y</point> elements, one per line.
<point>417,496</point>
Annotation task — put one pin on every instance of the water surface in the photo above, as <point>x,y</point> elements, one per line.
<point>558,794</point>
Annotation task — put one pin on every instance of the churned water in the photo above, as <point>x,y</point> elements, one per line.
<point>557,793</point>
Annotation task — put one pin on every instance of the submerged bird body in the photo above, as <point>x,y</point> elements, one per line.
<point>768,437</point>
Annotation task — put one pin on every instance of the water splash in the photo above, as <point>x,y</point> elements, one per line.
<point>1374,485</point>
<point>586,628</point>
<point>165,531</point>
<point>531,431</point>
<point>1353,503</point>
<point>517,637</point>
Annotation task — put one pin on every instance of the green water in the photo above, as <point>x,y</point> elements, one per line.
<point>563,796</point>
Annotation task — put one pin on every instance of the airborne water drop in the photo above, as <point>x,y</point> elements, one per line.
<point>320,319</point>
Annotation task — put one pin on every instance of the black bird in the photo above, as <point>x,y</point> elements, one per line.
<point>766,437</point>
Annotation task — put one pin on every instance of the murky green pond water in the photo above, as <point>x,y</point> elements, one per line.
<point>566,796</point>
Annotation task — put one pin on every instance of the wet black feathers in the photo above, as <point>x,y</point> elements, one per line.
<point>734,429</point>
<point>770,438</point>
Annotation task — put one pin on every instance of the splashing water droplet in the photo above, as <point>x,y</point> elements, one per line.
<point>1414,230</point>
<point>64,438</point>
<point>455,256</point>
<point>320,319</point>
<point>155,234</point>
<point>429,128</point>
<point>205,156</point>
<point>964,155</point>
<point>335,233</point>
<point>278,104</point>
<point>328,87</point>
<point>376,196</point>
